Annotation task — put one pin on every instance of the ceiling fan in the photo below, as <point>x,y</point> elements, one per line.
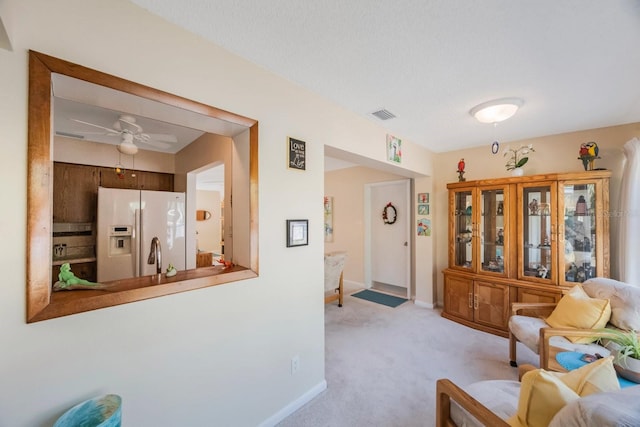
<point>130,132</point>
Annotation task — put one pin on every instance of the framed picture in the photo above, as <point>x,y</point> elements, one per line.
<point>423,197</point>
<point>297,155</point>
<point>394,149</point>
<point>424,227</point>
<point>297,232</point>
<point>423,209</point>
<point>328,219</point>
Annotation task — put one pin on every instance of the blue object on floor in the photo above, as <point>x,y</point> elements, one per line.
<point>103,411</point>
<point>380,298</point>
<point>571,360</point>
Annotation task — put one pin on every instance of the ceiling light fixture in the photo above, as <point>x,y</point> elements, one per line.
<point>497,110</point>
<point>127,146</point>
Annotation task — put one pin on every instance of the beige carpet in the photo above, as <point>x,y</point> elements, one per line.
<point>382,364</point>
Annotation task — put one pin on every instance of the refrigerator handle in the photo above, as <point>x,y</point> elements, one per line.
<point>137,246</point>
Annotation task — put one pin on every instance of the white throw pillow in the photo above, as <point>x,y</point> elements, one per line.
<point>623,297</point>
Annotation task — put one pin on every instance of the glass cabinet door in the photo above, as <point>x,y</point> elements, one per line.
<point>463,228</point>
<point>578,232</point>
<point>493,231</point>
<point>538,239</point>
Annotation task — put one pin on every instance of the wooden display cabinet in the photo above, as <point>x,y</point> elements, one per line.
<point>522,239</point>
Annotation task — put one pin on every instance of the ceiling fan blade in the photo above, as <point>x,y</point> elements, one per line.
<point>163,137</point>
<point>156,144</point>
<point>97,126</point>
<point>97,133</point>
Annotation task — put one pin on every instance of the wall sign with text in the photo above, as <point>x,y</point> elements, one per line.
<point>297,154</point>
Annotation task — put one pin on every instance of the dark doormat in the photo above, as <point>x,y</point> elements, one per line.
<point>380,298</point>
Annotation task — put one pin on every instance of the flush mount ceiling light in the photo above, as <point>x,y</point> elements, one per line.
<point>497,110</point>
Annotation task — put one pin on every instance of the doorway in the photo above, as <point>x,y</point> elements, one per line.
<point>209,214</point>
<point>387,236</point>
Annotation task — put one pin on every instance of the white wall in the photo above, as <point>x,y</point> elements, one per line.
<point>219,355</point>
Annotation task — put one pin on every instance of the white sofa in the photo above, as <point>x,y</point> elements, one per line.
<point>542,339</point>
<point>492,402</point>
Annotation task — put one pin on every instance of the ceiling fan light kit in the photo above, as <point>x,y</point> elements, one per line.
<point>127,147</point>
<point>496,110</point>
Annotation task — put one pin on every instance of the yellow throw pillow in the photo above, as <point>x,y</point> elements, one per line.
<point>543,393</point>
<point>592,378</point>
<point>576,309</point>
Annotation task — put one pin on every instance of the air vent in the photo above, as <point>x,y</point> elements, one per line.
<point>384,114</point>
<point>69,135</point>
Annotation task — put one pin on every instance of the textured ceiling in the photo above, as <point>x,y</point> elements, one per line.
<point>576,63</point>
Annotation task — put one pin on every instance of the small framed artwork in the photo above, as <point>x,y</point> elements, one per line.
<point>423,197</point>
<point>424,227</point>
<point>328,219</point>
<point>423,209</point>
<point>394,149</point>
<point>297,155</point>
<point>297,232</point>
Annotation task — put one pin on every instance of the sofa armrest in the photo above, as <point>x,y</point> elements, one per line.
<point>547,333</point>
<point>517,307</point>
<point>446,390</point>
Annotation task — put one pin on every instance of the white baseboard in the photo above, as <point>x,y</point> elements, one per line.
<point>424,304</point>
<point>352,286</point>
<point>295,405</point>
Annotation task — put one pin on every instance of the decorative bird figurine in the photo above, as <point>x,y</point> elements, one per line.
<point>461,165</point>
<point>588,153</point>
<point>461,177</point>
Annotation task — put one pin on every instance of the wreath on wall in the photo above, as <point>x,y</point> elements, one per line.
<point>389,214</point>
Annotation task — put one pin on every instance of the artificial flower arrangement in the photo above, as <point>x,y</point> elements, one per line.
<point>518,157</point>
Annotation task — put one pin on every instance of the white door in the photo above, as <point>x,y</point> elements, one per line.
<point>387,242</point>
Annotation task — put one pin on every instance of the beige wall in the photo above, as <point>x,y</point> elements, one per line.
<point>220,353</point>
<point>554,153</point>
<point>208,231</point>
<point>92,153</point>
<point>346,186</point>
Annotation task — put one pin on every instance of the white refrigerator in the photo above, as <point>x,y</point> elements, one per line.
<point>128,221</point>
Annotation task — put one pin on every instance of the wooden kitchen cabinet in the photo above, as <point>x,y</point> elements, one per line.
<point>155,181</point>
<point>136,180</point>
<point>75,192</point>
<point>75,188</point>
<point>523,239</point>
<point>110,179</point>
